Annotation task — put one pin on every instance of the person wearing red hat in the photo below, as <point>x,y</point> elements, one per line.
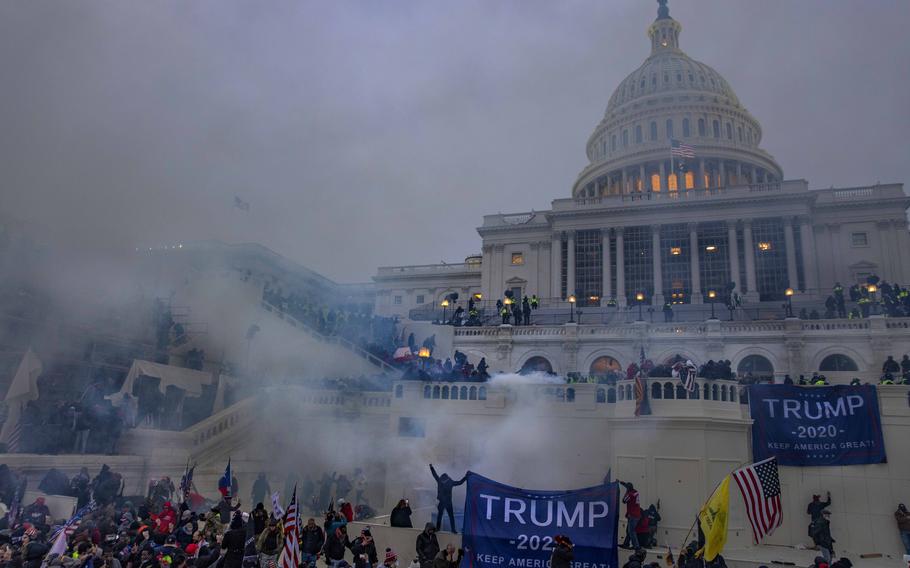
<point>391,559</point>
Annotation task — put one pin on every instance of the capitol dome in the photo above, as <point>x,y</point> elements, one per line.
<point>672,99</point>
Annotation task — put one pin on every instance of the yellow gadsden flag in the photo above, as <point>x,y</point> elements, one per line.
<point>713,520</point>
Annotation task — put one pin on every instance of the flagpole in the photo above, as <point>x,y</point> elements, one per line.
<point>706,502</point>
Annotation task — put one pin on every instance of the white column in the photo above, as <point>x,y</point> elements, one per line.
<point>556,265</point>
<point>664,185</point>
<point>739,173</point>
<point>733,247</point>
<point>700,182</point>
<point>498,271</point>
<point>807,243</point>
<point>723,175</point>
<point>620,268</point>
<point>749,246</point>
<point>534,272</point>
<point>486,268</point>
<point>658,298</point>
<point>899,231</point>
<point>623,189</point>
<point>641,176</point>
<point>606,290</point>
<point>694,268</point>
<point>834,236</point>
<point>790,244</point>
<point>570,265</point>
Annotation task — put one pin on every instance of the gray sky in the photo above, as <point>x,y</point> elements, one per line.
<point>368,133</point>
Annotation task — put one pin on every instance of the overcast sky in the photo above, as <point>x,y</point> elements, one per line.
<point>377,132</point>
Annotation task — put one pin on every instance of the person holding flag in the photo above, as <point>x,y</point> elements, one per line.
<point>290,554</point>
<point>713,521</point>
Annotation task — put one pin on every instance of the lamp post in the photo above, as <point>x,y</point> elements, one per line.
<point>789,294</point>
<point>712,295</point>
<point>423,354</point>
<point>640,298</point>
<point>872,289</point>
<point>572,299</point>
<point>444,304</point>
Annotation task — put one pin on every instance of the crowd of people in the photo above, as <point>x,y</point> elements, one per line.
<point>893,299</point>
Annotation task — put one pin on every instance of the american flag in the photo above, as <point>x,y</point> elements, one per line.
<point>186,482</point>
<point>759,484</point>
<point>290,554</point>
<point>69,528</point>
<point>685,372</point>
<point>681,150</point>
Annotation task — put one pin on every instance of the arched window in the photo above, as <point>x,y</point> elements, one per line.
<point>680,392</point>
<point>669,128</point>
<point>714,393</point>
<point>445,393</point>
<point>686,132</point>
<point>701,127</point>
<point>625,138</point>
<point>739,132</point>
<point>482,393</point>
<point>536,365</point>
<point>653,130</point>
<point>473,394</point>
<point>399,391</point>
<point>464,393</point>
<point>638,138</point>
<point>604,366</point>
<point>733,394</point>
<point>613,143</point>
<point>628,392</point>
<point>693,394</point>
<point>707,393</point>
<point>716,127</point>
<point>436,392</point>
<point>656,390</point>
<point>757,366</point>
<point>729,131</point>
<point>723,393</point>
<point>570,394</point>
<point>454,393</point>
<point>838,363</point>
<point>750,136</point>
<point>611,395</point>
<point>622,393</point>
<point>427,390</point>
<point>601,395</point>
<point>668,390</point>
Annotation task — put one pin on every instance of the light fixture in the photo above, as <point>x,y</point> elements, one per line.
<point>478,296</point>
<point>788,292</point>
<point>675,251</point>
<point>445,303</point>
<point>424,353</point>
<point>640,297</point>
<point>594,298</point>
<point>872,288</point>
<point>764,245</point>
<point>712,294</point>
<point>572,299</point>
<point>711,248</point>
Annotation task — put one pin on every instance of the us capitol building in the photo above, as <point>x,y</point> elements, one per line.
<point>645,227</point>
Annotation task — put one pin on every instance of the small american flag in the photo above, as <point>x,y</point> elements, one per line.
<point>681,150</point>
<point>685,372</point>
<point>290,554</point>
<point>642,406</point>
<point>69,528</point>
<point>759,484</point>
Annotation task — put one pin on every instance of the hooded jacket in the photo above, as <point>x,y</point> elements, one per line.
<point>427,544</point>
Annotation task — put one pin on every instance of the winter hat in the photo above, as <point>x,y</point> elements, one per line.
<point>366,532</point>
<point>186,515</point>
<point>390,556</point>
<point>192,548</point>
<point>245,516</point>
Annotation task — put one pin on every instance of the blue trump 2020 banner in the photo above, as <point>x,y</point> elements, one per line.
<point>506,527</point>
<point>807,426</point>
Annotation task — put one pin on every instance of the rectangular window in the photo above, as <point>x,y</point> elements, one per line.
<point>419,299</point>
<point>589,266</point>
<point>639,263</point>
<point>770,261</point>
<point>714,258</point>
<point>411,427</point>
<point>518,259</point>
<point>860,239</point>
<point>564,268</point>
<point>674,253</point>
<point>397,300</point>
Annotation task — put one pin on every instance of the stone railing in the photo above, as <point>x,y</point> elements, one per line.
<point>753,327</point>
<point>829,325</point>
<point>306,328</point>
<point>428,269</point>
<point>851,194</point>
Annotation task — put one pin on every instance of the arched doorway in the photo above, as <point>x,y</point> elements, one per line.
<point>604,367</point>
<point>838,363</point>
<point>536,364</point>
<point>756,366</point>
